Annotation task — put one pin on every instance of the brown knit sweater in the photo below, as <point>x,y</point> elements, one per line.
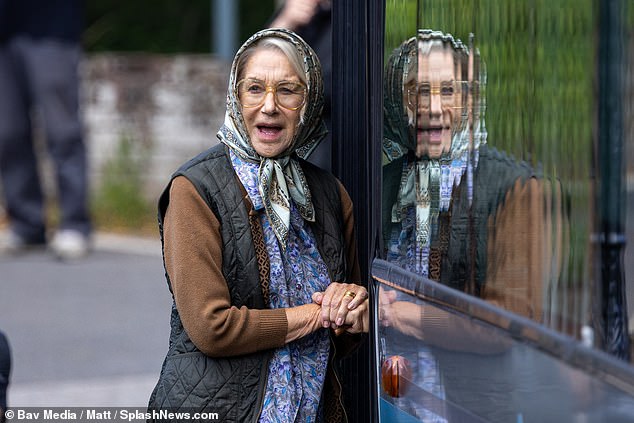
<point>193,260</point>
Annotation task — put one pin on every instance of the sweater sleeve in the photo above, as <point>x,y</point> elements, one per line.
<point>193,261</point>
<point>516,246</point>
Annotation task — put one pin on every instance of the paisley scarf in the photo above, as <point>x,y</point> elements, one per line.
<point>281,178</point>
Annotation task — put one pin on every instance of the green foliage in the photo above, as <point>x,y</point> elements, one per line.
<point>163,26</point>
<point>254,15</point>
<point>539,60</point>
<point>539,57</point>
<point>400,22</point>
<point>119,203</point>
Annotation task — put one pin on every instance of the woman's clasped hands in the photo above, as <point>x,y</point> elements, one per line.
<point>344,307</point>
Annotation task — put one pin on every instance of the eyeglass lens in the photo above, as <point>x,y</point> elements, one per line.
<point>422,93</point>
<point>287,94</point>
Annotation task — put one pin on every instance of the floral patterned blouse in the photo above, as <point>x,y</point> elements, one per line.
<point>297,371</point>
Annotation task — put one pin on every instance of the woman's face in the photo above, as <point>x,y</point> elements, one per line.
<point>437,102</point>
<point>271,128</point>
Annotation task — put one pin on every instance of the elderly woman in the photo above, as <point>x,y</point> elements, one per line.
<point>259,253</point>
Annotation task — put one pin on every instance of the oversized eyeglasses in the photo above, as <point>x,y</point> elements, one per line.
<point>289,95</point>
<point>449,92</point>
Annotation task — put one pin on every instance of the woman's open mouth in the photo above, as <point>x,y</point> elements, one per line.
<point>431,135</point>
<point>269,132</point>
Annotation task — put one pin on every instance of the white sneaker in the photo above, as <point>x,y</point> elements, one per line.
<point>69,244</point>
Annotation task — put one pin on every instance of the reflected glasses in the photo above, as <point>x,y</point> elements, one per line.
<point>289,95</point>
<point>449,91</point>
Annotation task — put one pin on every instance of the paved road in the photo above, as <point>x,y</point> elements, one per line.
<point>91,333</point>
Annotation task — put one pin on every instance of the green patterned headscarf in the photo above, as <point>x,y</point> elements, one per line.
<point>281,178</point>
<point>398,135</point>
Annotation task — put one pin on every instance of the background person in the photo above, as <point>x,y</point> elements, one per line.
<point>39,57</point>
<point>255,239</point>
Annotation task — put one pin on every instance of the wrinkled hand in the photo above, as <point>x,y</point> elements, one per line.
<point>343,304</point>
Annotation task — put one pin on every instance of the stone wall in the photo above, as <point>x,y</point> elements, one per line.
<point>168,108</point>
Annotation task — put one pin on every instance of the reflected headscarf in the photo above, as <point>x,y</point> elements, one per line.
<point>399,133</point>
<point>280,179</point>
<point>426,183</point>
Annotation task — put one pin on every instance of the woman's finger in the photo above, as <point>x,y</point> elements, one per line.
<point>330,300</point>
<point>360,295</point>
<point>358,320</point>
<point>337,300</point>
<point>339,304</point>
<point>349,301</point>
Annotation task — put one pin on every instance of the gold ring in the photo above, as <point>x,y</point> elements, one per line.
<point>350,294</point>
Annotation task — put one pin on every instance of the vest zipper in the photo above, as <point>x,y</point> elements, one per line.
<point>265,379</point>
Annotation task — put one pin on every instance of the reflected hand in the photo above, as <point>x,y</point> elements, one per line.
<point>404,316</point>
<point>386,298</point>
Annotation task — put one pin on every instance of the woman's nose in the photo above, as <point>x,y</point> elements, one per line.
<point>435,106</point>
<point>269,105</point>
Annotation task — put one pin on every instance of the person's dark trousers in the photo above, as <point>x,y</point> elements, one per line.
<point>42,76</point>
<point>5,372</point>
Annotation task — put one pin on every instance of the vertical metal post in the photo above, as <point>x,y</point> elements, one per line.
<point>224,18</point>
<point>357,127</point>
<point>611,195</point>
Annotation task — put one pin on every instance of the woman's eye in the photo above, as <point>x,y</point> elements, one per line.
<point>285,90</point>
<point>255,89</point>
<point>447,91</point>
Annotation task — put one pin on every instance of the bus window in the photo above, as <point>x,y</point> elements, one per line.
<point>490,130</point>
<point>455,209</point>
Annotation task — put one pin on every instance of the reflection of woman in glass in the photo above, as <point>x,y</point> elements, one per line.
<point>425,118</point>
<point>455,211</point>
<point>424,136</point>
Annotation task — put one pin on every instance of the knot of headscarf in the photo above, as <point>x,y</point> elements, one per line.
<point>280,179</point>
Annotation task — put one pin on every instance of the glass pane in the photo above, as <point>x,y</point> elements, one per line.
<point>440,364</point>
<point>489,164</point>
<point>400,22</point>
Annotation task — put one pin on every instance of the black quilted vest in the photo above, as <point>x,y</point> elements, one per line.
<point>234,387</point>
<point>465,224</point>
